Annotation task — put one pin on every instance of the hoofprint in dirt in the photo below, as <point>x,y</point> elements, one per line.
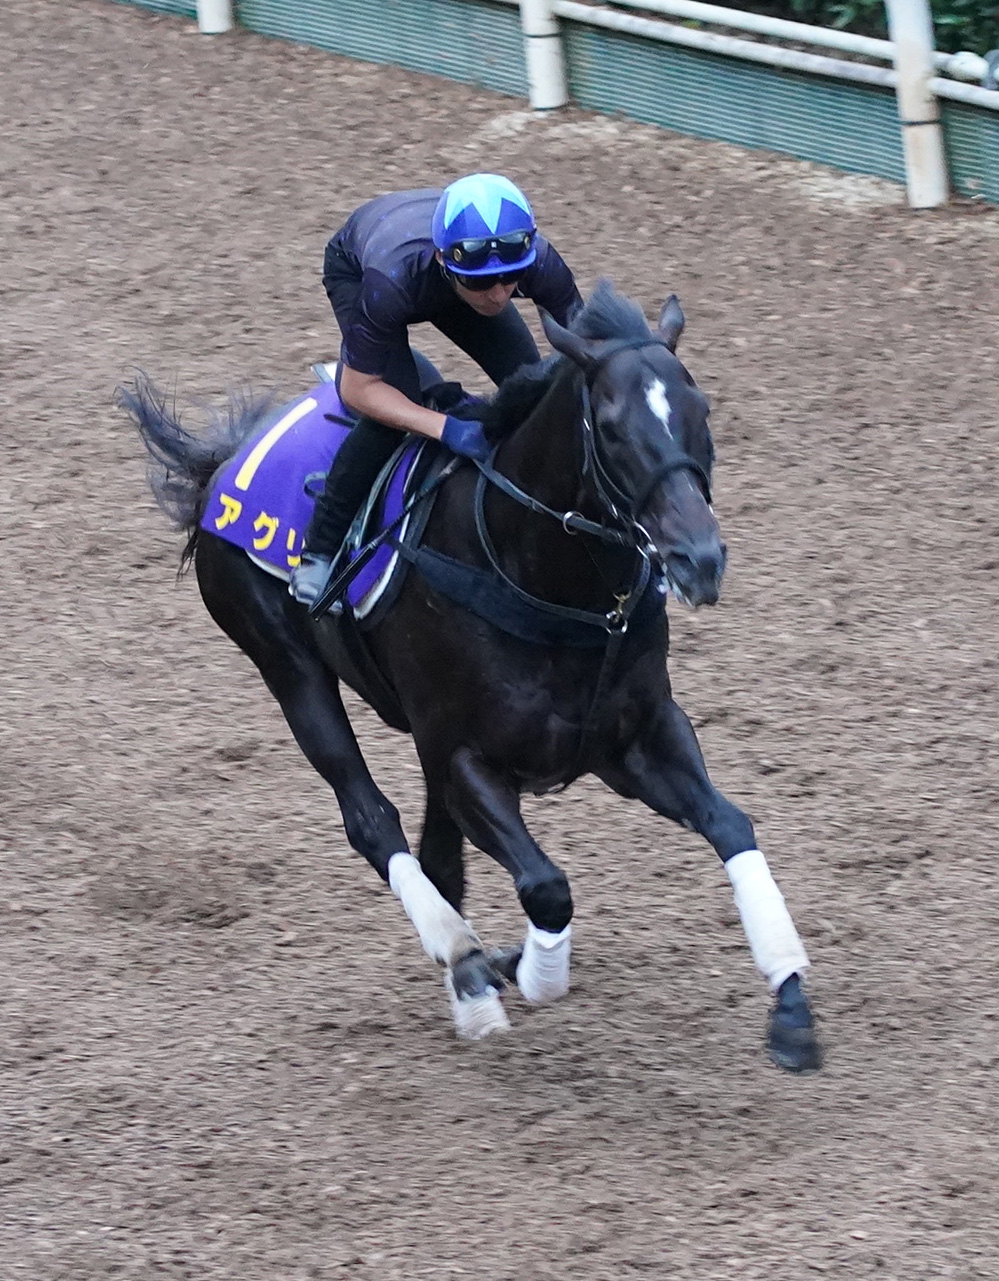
<point>216,1061</point>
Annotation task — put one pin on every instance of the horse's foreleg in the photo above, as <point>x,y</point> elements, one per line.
<point>666,770</point>
<point>488,811</point>
<point>440,851</point>
<point>473,981</point>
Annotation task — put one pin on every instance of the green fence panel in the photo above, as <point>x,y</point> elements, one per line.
<point>186,8</point>
<point>471,41</point>
<point>836,122</point>
<point>972,137</point>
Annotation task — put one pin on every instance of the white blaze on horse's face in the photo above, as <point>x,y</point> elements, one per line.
<point>658,402</point>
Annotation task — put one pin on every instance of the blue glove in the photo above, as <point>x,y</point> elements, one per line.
<point>465,436</point>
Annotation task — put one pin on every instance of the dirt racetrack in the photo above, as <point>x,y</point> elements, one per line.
<point>222,1053</point>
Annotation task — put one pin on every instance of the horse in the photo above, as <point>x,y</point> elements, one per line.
<point>527,647</point>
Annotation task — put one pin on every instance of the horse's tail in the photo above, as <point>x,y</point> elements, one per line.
<point>181,464</point>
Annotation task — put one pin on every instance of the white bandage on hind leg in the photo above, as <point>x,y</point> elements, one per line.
<point>543,969</point>
<point>773,940</point>
<point>444,933</point>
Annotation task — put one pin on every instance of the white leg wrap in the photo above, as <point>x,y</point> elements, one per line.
<point>444,933</point>
<point>476,1017</point>
<point>773,940</point>
<point>543,970</point>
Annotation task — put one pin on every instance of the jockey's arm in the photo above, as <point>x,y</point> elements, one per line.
<point>370,395</point>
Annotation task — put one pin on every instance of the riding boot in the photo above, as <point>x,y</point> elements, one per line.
<point>355,469</point>
<point>309,578</point>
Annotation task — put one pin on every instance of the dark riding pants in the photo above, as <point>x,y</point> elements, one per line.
<point>498,344</point>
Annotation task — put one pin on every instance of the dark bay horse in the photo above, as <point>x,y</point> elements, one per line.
<point>527,648</point>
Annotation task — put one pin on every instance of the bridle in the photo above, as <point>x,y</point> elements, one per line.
<point>620,507</point>
<point>617,502</point>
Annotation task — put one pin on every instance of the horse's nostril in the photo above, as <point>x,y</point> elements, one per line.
<point>695,566</point>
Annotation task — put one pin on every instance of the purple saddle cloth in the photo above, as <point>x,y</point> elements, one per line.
<point>262,500</point>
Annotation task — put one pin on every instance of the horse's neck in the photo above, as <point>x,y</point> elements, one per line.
<point>544,458</point>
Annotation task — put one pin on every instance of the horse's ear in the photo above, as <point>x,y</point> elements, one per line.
<point>565,341</point>
<point>671,322</point>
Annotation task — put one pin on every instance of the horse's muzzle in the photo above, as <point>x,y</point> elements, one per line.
<point>694,572</point>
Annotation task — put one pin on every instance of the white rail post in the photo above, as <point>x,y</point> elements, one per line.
<point>543,57</point>
<point>910,26</point>
<point>214,16</point>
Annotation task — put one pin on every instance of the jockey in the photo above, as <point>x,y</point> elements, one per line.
<point>456,259</point>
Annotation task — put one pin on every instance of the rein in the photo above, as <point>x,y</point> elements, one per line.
<point>339,583</point>
<point>619,506</point>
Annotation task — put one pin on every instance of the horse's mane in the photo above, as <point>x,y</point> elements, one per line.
<point>609,315</point>
<point>605,315</point>
<point>517,396</point>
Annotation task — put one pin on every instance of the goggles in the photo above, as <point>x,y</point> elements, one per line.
<point>473,255</point>
<point>482,284</point>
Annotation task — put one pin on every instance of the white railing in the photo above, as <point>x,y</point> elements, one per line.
<point>964,66</point>
<point>914,75</point>
<point>215,16</point>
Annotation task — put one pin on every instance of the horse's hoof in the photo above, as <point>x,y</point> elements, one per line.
<point>795,1049</point>
<point>475,988</point>
<point>505,960</point>
<point>793,1044</point>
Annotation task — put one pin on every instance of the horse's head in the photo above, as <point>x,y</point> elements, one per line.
<point>648,441</point>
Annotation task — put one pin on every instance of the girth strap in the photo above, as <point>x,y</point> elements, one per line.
<point>512,610</point>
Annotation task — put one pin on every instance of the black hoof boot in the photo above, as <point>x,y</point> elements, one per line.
<point>475,975</point>
<point>476,990</point>
<point>793,1044</point>
<point>505,961</point>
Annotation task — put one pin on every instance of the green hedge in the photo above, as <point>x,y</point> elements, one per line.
<point>959,24</point>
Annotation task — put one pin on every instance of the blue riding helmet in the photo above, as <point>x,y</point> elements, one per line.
<point>484,226</point>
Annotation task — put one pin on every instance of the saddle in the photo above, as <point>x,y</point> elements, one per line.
<point>262,499</point>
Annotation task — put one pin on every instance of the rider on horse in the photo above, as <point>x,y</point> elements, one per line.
<point>455,258</point>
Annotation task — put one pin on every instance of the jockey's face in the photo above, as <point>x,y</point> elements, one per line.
<point>488,302</point>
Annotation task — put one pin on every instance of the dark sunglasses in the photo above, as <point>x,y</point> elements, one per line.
<point>482,284</point>
<point>470,255</point>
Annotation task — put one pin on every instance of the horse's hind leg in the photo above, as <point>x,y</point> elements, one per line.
<point>666,770</point>
<point>315,712</point>
<point>260,616</point>
<point>488,809</point>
